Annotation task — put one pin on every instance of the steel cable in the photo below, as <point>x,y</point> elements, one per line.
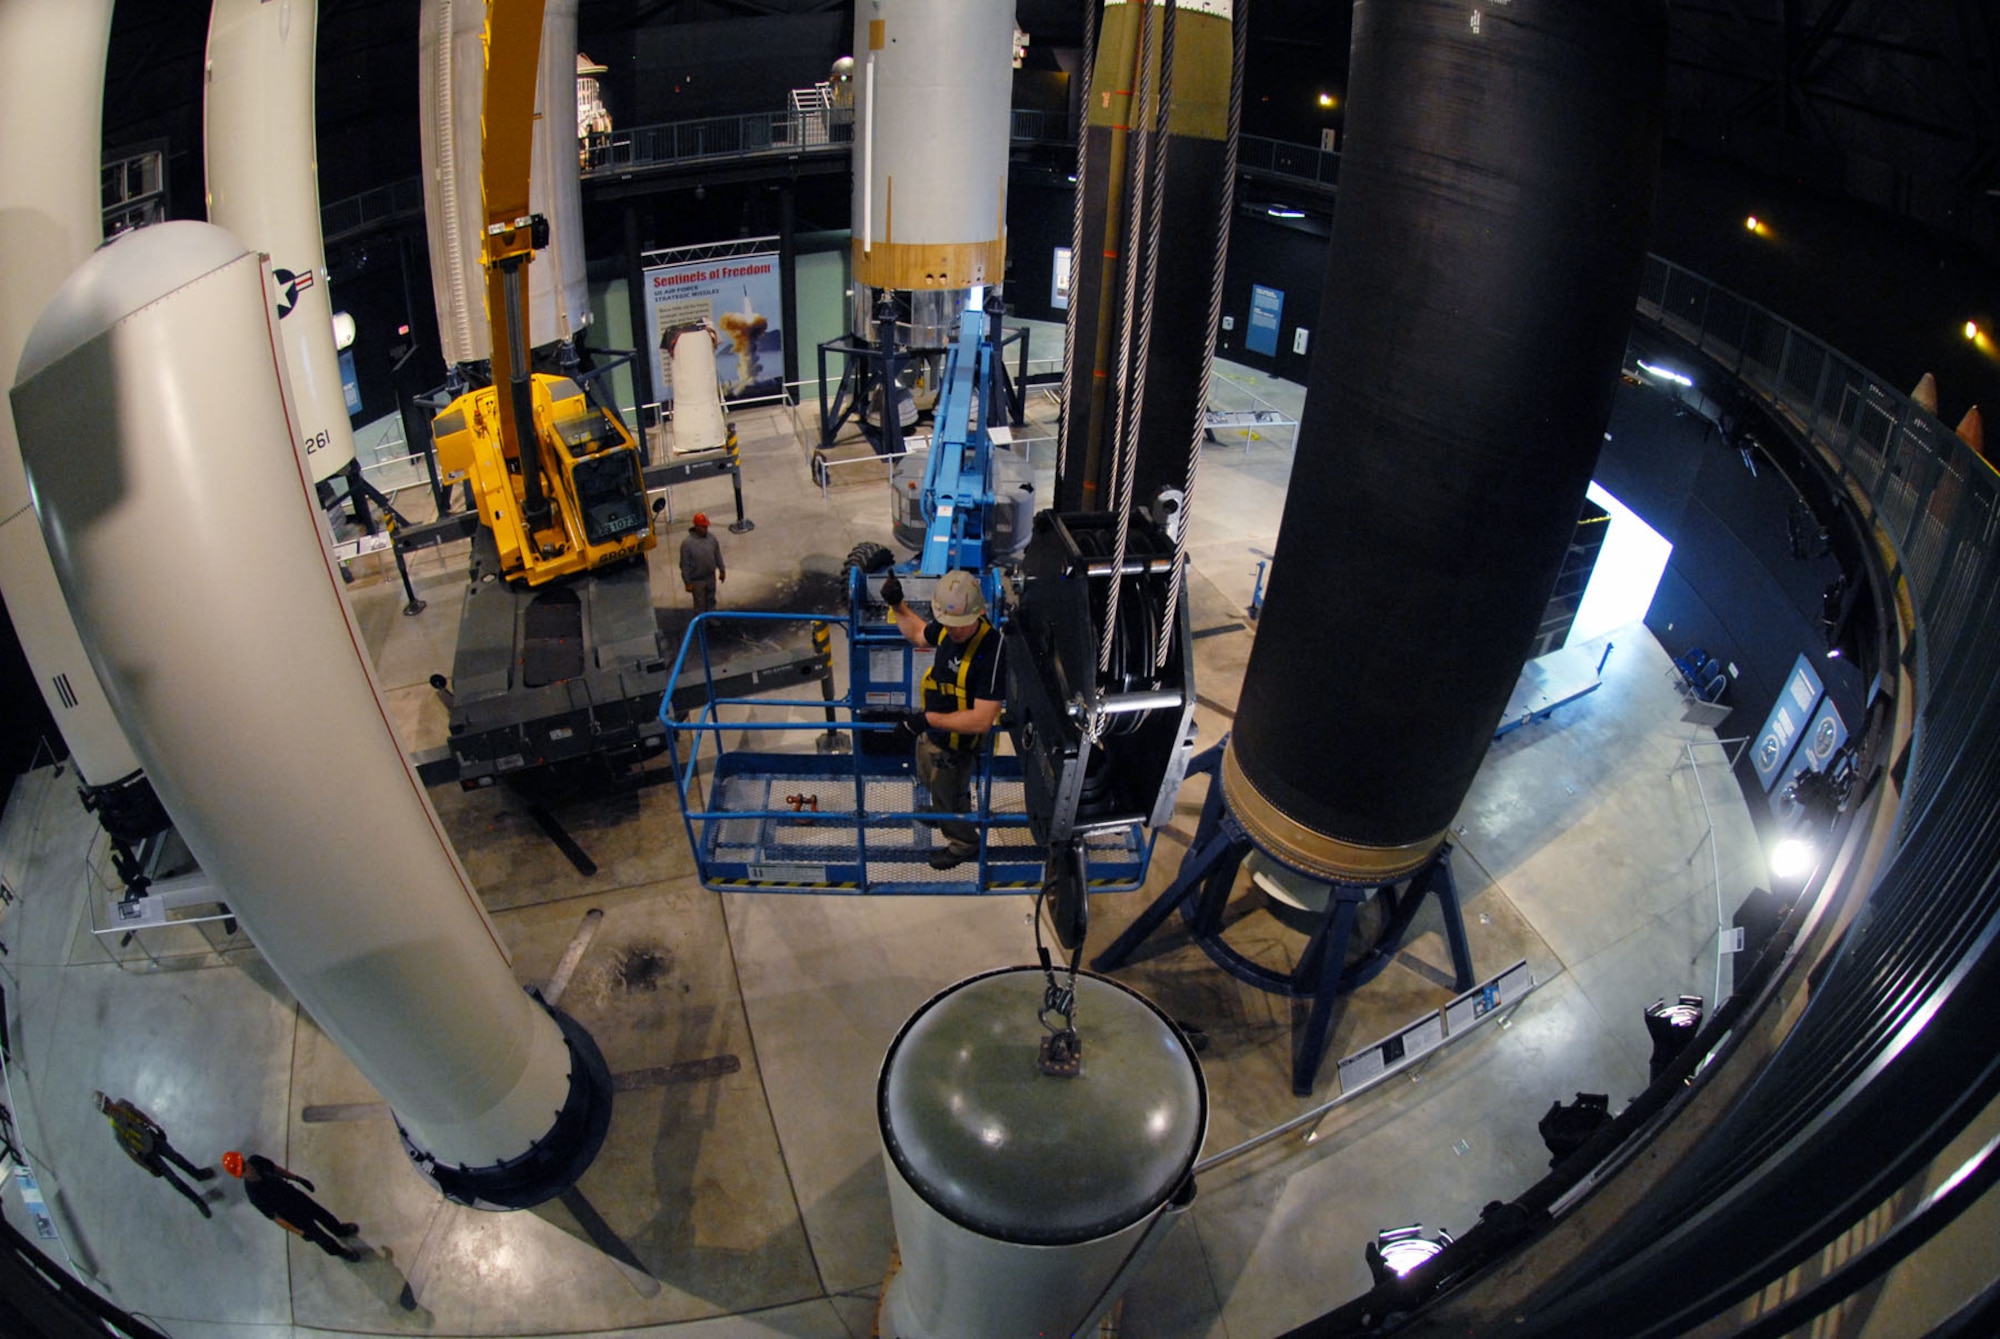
<point>1149,180</point>
<point>1239,41</point>
<point>1064,427</point>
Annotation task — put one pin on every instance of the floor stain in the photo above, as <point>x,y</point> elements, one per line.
<point>642,967</point>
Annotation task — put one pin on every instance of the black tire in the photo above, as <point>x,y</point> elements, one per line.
<point>869,557</point>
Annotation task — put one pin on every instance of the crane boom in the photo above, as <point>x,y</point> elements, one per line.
<point>557,475</point>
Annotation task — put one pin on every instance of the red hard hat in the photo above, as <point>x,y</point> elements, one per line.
<point>232,1162</point>
<point>701,520</point>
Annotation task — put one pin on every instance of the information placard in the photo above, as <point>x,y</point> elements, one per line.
<point>1786,723</point>
<point>1487,998</point>
<point>1392,1052</point>
<point>1267,308</point>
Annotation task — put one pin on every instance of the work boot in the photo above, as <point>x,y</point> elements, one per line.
<point>951,857</point>
<point>346,1229</point>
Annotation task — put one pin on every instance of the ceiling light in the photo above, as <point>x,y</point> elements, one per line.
<point>1665,373</point>
<point>1282,212</point>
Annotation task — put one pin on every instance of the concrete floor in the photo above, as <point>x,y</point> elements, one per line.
<point>741,1192</point>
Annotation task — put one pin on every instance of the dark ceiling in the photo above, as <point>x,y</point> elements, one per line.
<point>1893,102</point>
<point>1887,109</point>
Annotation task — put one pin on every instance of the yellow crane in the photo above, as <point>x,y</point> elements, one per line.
<point>557,476</point>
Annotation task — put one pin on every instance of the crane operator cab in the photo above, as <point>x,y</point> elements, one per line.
<point>587,480</point>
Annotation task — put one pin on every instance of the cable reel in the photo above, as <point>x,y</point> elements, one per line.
<point>1104,740</point>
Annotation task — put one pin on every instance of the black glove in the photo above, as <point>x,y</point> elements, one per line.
<point>892,591</point>
<point>917,724</point>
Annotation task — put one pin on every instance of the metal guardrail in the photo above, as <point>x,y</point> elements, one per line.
<point>753,135</point>
<point>1891,1054</point>
<point>372,208</point>
<point>1936,500</point>
<point>1892,1051</point>
<point>777,134</point>
<point>1254,153</point>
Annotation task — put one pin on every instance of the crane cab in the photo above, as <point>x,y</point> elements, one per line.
<point>589,475</point>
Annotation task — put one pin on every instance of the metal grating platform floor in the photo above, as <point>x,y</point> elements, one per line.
<point>836,846</point>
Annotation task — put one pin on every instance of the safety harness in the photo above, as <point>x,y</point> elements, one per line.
<point>954,690</point>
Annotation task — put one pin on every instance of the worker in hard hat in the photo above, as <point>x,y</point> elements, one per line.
<point>272,1194</point>
<point>962,695</point>
<point>701,564</point>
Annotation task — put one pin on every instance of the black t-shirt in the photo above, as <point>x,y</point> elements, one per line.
<point>985,680</point>
<point>278,1199</point>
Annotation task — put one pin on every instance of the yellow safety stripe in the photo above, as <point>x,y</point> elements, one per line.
<point>956,691</point>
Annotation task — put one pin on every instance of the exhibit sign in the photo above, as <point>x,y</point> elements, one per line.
<point>1816,749</point>
<point>740,298</point>
<point>1391,1053</point>
<point>1060,281</point>
<point>1786,723</point>
<point>1488,998</point>
<point>1267,307</point>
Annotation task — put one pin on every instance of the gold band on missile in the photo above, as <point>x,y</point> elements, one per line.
<point>1323,857</point>
<point>922,265</point>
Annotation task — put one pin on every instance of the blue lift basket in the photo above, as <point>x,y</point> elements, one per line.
<point>820,795</point>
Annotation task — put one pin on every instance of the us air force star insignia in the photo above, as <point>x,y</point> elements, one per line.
<point>289,287</point>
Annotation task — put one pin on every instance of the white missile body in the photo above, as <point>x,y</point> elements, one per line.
<point>931,141</point>
<point>181,519</point>
<point>51,218</point>
<point>451,71</point>
<point>263,186</point>
<point>698,420</point>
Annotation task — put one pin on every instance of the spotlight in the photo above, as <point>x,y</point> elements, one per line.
<point>1751,223</point>
<point>1672,1027</point>
<point>1972,331</point>
<point>1565,1129</point>
<point>1397,1251</point>
<point>1328,100</point>
<point>1792,858</point>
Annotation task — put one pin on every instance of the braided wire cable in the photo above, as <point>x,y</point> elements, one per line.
<point>1077,240</point>
<point>1239,40</point>
<point>1137,204</point>
<point>1154,166</point>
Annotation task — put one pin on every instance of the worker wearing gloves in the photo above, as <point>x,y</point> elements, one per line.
<point>701,564</point>
<point>962,695</point>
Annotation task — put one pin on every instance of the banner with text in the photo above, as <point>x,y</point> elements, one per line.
<point>740,297</point>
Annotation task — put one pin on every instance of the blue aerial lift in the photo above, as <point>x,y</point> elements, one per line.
<point>768,806</point>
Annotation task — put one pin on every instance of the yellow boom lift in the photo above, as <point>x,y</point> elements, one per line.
<point>556,475</point>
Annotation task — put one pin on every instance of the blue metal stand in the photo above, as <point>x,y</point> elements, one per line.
<point>1200,892</point>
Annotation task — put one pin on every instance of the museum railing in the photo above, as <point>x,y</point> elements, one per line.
<point>1854,1052</point>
